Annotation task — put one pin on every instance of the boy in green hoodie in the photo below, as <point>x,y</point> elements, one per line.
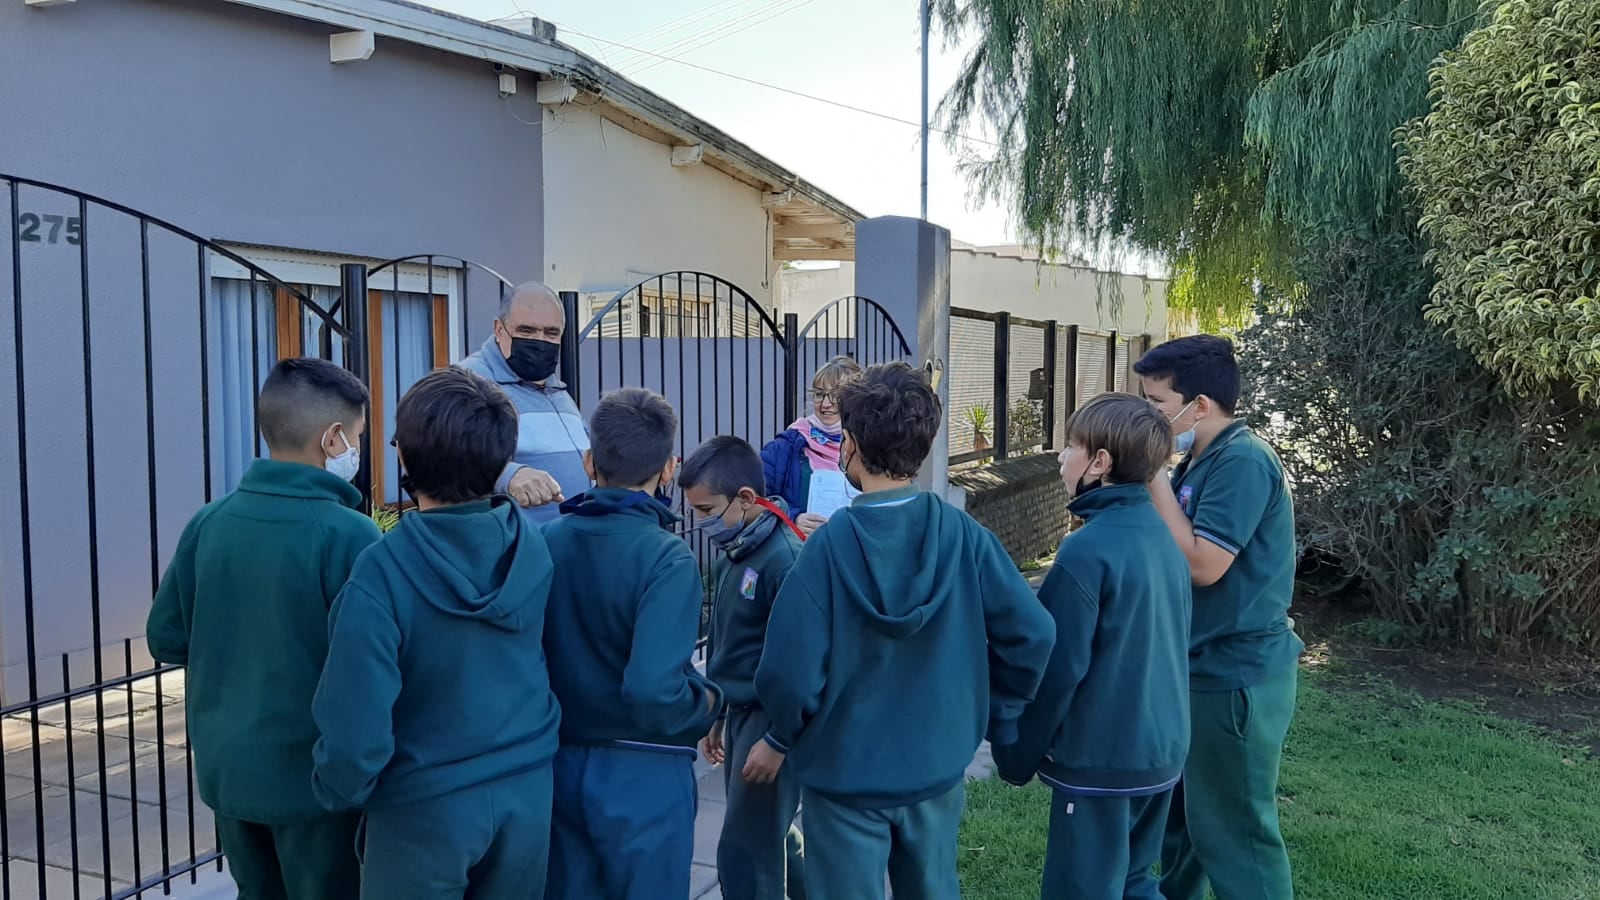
<point>902,636</point>
<point>435,711</point>
<point>1119,594</point>
<point>724,484</point>
<point>244,605</point>
<point>623,623</point>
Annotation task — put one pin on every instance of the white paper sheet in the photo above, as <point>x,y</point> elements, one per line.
<point>830,492</point>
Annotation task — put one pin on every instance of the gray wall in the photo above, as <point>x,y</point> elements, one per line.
<point>232,124</point>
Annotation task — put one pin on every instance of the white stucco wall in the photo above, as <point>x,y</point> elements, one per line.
<point>982,281</point>
<point>619,211</point>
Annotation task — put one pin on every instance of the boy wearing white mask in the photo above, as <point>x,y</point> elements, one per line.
<point>244,605</point>
<point>1228,506</point>
<point>758,855</point>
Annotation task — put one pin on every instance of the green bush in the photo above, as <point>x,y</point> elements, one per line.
<point>1467,515</point>
<point>386,517</point>
<point>1506,169</point>
<point>1024,426</point>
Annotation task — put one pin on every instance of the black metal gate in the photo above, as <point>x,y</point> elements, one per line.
<point>853,326</point>
<point>111,454</point>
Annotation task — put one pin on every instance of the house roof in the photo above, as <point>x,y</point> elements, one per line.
<point>808,222</point>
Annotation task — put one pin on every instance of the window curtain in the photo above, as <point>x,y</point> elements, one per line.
<point>241,351</point>
<point>407,346</point>
<point>312,326</point>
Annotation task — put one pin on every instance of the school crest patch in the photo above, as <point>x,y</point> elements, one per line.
<point>747,584</point>
<point>1185,494</point>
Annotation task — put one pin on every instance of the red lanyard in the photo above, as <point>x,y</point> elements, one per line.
<point>770,507</point>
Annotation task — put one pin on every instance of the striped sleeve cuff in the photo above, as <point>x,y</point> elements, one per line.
<point>1219,541</point>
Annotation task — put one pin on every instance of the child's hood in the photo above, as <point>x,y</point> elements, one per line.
<point>605,501</point>
<point>899,560</point>
<point>477,560</point>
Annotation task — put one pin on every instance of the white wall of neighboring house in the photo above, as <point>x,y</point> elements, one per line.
<point>619,212</point>
<point>1001,282</point>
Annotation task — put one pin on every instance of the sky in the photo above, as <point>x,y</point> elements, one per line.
<point>863,53</point>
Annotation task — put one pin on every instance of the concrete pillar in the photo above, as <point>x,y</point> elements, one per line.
<point>904,264</point>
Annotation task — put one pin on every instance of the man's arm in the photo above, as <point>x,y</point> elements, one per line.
<point>659,683</point>
<point>1076,611</point>
<point>794,662</point>
<point>1021,635</point>
<point>1234,499</point>
<point>166,631</point>
<point>503,483</point>
<point>354,703</point>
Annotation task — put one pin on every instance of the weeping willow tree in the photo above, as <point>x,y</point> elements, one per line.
<point>1251,143</point>
<point>1212,135</point>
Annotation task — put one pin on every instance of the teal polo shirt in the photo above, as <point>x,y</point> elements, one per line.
<point>1237,497</point>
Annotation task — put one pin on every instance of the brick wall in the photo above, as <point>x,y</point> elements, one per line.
<point>1021,500</point>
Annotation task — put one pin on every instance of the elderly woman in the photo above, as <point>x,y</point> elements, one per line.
<point>802,463</point>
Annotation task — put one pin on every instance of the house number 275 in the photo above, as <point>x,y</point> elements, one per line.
<point>33,228</point>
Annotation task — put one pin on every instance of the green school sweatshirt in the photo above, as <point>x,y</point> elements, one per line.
<point>903,635</point>
<point>244,605</point>
<point>747,578</point>
<point>622,626</point>
<point>435,681</point>
<point>1112,715</point>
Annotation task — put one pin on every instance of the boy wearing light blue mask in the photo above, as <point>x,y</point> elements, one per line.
<point>244,604</point>
<point>758,856</point>
<point>1228,506</point>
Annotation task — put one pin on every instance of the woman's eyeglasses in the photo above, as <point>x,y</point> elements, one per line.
<point>824,397</point>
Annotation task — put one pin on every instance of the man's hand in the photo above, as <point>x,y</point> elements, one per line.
<point>808,523</point>
<point>763,765</point>
<point>532,487</point>
<point>711,745</point>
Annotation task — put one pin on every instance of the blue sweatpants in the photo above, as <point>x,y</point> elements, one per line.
<point>1104,848</point>
<point>623,824</point>
<point>849,849</point>
<point>486,842</point>
<point>761,854</point>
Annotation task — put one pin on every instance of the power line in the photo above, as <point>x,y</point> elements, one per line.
<point>782,90</point>
<point>664,31</point>
<point>719,33</point>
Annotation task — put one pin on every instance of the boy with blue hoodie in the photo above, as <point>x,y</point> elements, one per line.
<point>624,619</point>
<point>759,853</point>
<point>901,638</point>
<point>244,604</point>
<point>1109,729</point>
<point>435,709</point>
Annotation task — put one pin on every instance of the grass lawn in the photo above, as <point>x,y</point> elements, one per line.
<point>1384,795</point>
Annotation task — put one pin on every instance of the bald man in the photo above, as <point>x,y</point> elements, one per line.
<point>522,356</point>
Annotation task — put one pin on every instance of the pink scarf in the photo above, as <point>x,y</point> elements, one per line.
<point>822,443</point>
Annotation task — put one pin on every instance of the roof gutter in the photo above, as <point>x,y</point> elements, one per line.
<point>433,28</point>
<point>658,112</point>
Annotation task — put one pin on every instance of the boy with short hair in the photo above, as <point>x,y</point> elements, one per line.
<point>1119,594</point>
<point>1228,506</point>
<point>623,624</point>
<point>244,605</point>
<point>903,636</point>
<point>435,710</point>
<point>724,484</point>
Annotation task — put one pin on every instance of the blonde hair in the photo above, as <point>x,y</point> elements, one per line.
<point>834,373</point>
<point>1129,428</point>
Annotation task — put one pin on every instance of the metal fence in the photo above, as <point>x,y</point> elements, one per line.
<point>109,457</point>
<point>725,364</point>
<point>111,454</point>
<point>1014,381</point>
